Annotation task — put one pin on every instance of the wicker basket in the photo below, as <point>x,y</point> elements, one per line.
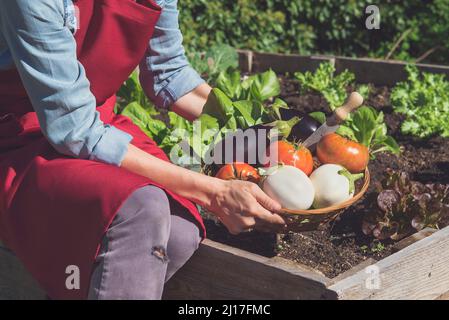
<point>314,219</point>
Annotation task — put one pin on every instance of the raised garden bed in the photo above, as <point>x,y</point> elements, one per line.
<point>340,253</point>
<point>328,264</point>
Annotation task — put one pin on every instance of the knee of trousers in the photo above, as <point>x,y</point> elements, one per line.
<point>145,212</point>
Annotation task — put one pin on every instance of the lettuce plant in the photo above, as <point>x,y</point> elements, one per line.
<point>405,206</point>
<point>324,81</point>
<point>424,100</point>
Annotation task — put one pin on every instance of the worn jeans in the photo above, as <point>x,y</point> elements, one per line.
<point>149,240</point>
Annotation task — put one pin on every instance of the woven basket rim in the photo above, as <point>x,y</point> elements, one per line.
<point>336,207</point>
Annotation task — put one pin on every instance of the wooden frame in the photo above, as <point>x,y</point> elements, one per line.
<point>366,70</point>
<point>419,269</point>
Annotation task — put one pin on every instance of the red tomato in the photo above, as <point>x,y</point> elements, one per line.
<point>238,171</point>
<point>292,155</point>
<point>336,149</point>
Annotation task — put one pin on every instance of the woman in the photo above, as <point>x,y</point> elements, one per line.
<point>83,189</point>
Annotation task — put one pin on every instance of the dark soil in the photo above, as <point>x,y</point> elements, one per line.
<point>342,245</point>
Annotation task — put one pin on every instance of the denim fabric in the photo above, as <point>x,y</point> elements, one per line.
<point>36,37</point>
<point>165,73</point>
<point>149,240</point>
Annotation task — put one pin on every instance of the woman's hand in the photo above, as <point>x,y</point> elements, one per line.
<point>242,206</point>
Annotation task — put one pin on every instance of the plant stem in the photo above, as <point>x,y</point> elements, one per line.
<point>352,178</point>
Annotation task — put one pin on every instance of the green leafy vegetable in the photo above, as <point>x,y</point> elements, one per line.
<point>264,86</point>
<point>131,91</point>
<point>215,60</point>
<point>218,105</point>
<point>324,81</point>
<point>424,100</point>
<point>154,128</point>
<point>331,86</point>
<point>260,87</point>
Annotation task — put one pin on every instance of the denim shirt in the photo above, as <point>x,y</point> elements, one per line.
<point>36,37</point>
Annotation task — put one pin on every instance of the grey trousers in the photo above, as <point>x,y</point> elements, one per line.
<point>149,240</point>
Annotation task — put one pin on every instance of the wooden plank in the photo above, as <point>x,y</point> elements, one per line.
<point>413,238</point>
<point>366,70</point>
<point>382,72</point>
<point>218,271</point>
<point>245,60</point>
<point>15,282</point>
<point>444,296</point>
<point>287,63</point>
<point>361,266</point>
<point>419,271</point>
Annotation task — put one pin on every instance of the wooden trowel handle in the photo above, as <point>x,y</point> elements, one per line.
<point>354,101</point>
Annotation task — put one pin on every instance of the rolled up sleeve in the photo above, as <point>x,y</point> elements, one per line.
<point>44,52</point>
<point>165,72</point>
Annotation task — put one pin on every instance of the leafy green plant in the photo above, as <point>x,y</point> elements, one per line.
<point>131,91</point>
<point>375,247</point>
<point>405,206</point>
<point>234,115</point>
<point>424,100</point>
<point>215,60</point>
<point>324,81</point>
<point>259,87</point>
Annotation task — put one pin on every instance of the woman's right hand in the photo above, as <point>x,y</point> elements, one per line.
<point>242,206</point>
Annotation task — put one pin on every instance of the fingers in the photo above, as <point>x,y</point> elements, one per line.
<point>259,212</point>
<point>241,224</point>
<point>264,199</point>
<point>262,226</point>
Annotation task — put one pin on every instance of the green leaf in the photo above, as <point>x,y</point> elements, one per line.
<point>387,144</point>
<point>318,116</point>
<point>229,83</point>
<point>364,124</point>
<point>178,122</point>
<point>324,81</point>
<point>346,132</point>
<point>250,113</point>
<point>424,100</point>
<point>219,106</point>
<point>221,57</point>
<point>265,86</point>
<point>274,111</point>
<point>139,116</point>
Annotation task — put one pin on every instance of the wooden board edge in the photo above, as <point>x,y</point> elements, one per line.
<point>276,262</point>
<point>366,70</point>
<point>419,271</point>
<point>218,271</point>
<point>287,63</point>
<point>424,233</point>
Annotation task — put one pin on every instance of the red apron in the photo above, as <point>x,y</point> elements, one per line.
<point>55,209</point>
